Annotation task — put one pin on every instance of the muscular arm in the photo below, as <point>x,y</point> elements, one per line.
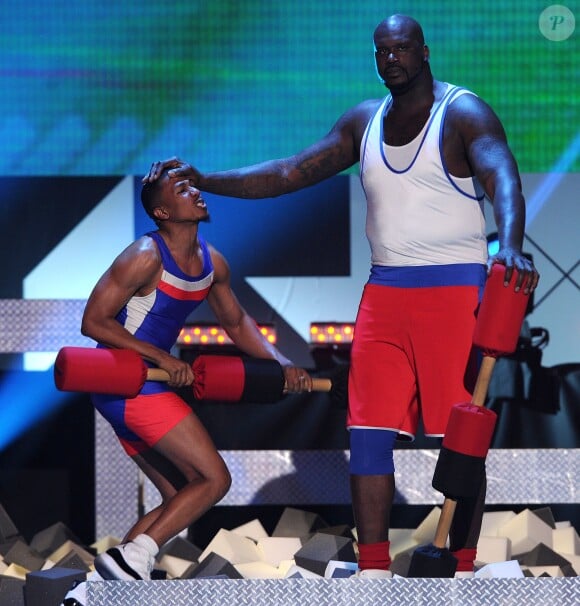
<point>273,178</point>
<point>335,152</point>
<point>240,327</point>
<point>488,154</point>
<point>134,272</point>
<point>243,330</point>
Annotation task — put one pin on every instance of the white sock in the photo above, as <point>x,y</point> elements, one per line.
<point>145,541</point>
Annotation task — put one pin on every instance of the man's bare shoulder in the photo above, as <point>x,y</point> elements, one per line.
<point>363,111</point>
<point>470,110</point>
<point>143,251</point>
<point>358,116</point>
<point>145,245</point>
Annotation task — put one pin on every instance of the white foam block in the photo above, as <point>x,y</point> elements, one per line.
<point>232,547</point>
<point>16,572</point>
<point>425,532</point>
<point>492,520</point>
<point>252,530</point>
<point>525,531</point>
<point>493,549</point>
<point>274,550</point>
<point>501,570</point>
<point>401,539</point>
<point>259,570</point>
<point>297,572</point>
<point>565,540</point>
<point>285,566</point>
<point>563,524</point>
<point>66,548</point>
<point>336,569</point>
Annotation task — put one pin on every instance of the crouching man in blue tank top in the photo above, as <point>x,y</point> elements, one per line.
<point>141,303</point>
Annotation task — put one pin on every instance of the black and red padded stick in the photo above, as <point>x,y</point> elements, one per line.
<point>461,464</point>
<point>123,372</point>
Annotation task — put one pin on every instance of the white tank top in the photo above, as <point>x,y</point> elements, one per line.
<point>417,213</point>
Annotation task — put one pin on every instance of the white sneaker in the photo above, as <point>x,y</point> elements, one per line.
<point>464,574</point>
<point>373,573</point>
<point>126,562</point>
<point>76,595</point>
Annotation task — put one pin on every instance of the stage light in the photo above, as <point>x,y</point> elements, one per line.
<point>28,397</point>
<point>331,333</point>
<point>330,344</point>
<point>202,334</point>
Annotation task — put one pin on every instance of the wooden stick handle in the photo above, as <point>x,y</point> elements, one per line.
<point>157,374</point>
<point>479,395</point>
<point>444,524</point>
<point>483,379</point>
<point>321,384</point>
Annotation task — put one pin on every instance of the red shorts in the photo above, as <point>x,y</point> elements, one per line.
<point>412,357</point>
<point>142,421</point>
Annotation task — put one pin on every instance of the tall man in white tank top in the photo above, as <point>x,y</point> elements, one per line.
<point>429,153</point>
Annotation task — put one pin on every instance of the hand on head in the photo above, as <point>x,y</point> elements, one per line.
<point>177,169</point>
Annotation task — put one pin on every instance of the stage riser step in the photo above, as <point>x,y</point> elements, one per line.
<point>339,592</point>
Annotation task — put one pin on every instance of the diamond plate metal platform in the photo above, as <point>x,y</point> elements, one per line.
<point>41,324</point>
<point>339,592</point>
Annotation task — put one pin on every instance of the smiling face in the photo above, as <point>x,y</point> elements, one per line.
<point>400,53</point>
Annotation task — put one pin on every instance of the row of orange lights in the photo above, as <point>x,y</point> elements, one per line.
<point>320,333</point>
<point>208,334</point>
<point>331,332</point>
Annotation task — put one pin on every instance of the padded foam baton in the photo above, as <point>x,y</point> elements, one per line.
<point>461,463</point>
<point>232,378</point>
<point>99,370</point>
<point>123,372</point>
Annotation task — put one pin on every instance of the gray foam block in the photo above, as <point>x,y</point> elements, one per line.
<point>8,529</point>
<point>212,566</point>
<point>180,548</point>
<point>48,540</point>
<point>315,554</point>
<point>340,531</point>
<point>6,546</point>
<point>545,514</point>
<point>298,523</point>
<point>402,562</point>
<point>528,574</point>
<point>21,554</point>
<point>11,591</point>
<point>542,555</point>
<point>48,587</point>
<point>72,560</point>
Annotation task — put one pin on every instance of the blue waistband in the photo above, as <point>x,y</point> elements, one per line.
<point>426,276</point>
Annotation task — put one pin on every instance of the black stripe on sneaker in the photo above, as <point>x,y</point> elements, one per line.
<point>120,561</point>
